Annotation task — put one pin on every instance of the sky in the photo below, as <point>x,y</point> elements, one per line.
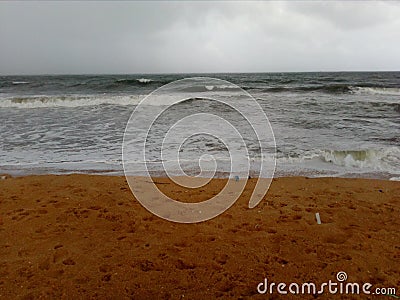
<point>129,37</point>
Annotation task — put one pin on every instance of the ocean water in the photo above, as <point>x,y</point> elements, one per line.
<point>325,124</point>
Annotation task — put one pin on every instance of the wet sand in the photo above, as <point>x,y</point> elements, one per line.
<point>81,236</point>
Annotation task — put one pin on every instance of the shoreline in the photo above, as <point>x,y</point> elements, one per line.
<point>86,236</point>
<point>160,174</point>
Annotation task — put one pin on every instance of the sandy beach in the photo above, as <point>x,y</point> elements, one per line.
<point>114,115</point>
<point>85,236</point>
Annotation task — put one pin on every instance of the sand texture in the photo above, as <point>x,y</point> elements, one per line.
<point>81,236</point>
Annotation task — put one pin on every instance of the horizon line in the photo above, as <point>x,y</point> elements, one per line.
<point>179,73</point>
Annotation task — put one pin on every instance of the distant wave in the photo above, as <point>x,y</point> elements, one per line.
<point>144,80</point>
<point>208,88</point>
<point>20,82</point>
<point>116,84</point>
<point>330,89</point>
<point>134,81</point>
<point>122,84</point>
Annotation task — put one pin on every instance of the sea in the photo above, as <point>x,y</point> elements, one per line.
<point>341,124</point>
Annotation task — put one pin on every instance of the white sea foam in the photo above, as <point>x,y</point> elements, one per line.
<point>73,101</point>
<point>20,82</point>
<point>386,159</point>
<point>375,90</point>
<point>144,80</point>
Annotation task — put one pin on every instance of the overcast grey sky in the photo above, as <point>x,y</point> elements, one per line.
<point>168,37</point>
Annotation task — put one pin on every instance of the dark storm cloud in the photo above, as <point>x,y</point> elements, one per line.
<point>136,37</point>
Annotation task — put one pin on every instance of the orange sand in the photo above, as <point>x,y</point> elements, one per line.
<point>81,236</point>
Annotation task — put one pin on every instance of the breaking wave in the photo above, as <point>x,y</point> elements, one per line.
<point>20,82</point>
<point>330,89</point>
<point>208,88</point>
<point>75,101</point>
<point>67,101</point>
<point>386,159</point>
<point>376,90</point>
<point>144,80</point>
<point>134,81</point>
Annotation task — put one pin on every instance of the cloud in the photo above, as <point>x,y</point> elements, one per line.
<point>153,37</point>
<point>349,15</point>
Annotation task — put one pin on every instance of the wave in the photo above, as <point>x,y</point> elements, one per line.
<point>375,90</point>
<point>77,101</point>
<point>67,101</point>
<point>208,88</point>
<point>221,87</point>
<point>129,83</point>
<point>133,81</point>
<point>385,159</point>
<point>144,80</point>
<point>20,82</point>
<point>330,89</point>
<point>382,159</point>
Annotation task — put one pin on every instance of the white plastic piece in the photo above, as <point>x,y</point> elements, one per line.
<point>318,218</point>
